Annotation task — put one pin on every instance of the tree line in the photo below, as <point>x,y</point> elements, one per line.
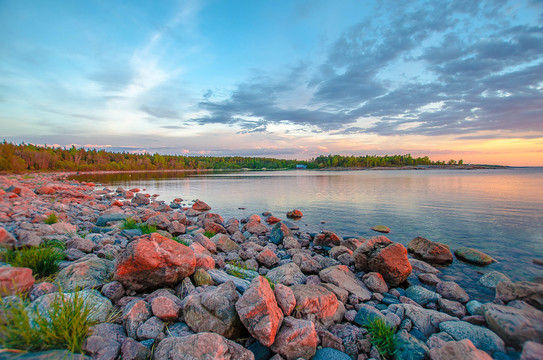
<point>27,157</point>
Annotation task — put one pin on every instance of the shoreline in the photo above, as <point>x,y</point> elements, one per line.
<point>90,220</point>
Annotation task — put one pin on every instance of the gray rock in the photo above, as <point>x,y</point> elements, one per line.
<point>89,271</point>
<point>101,348</point>
<point>421,295</point>
<point>410,348</point>
<point>367,314</point>
<point>105,219</point>
<point>114,291</point>
<point>474,307</point>
<point>220,277</point>
<point>133,350</point>
<point>422,267</point>
<point>452,291</point>
<point>481,337</point>
<point>150,329</point>
<point>473,256</point>
<point>491,279</point>
<point>279,232</point>
<point>426,320</point>
<point>288,274</point>
<point>135,313</point>
<point>453,308</point>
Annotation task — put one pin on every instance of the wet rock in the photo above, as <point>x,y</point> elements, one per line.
<point>259,312</point>
<point>15,280</point>
<point>385,257</point>
<point>381,228</point>
<point>199,205</point>
<point>214,311</point>
<point>515,325</point>
<point>285,298</point>
<point>152,262</point>
<point>481,337</point>
<point>529,292</point>
<point>327,238</point>
<point>342,277</point>
<point>296,338</point>
<point>202,346</point>
<point>429,279</point>
<point>295,214</point>
<point>474,307</point>
<point>422,267</point>
<point>453,308</point>
<point>452,291</point>
<point>421,295</point>
<point>430,251</point>
<point>458,350</point>
<point>409,347</point>
<point>288,274</point>
<point>473,256</point>
<point>89,271</point>
<point>426,320</point>
<point>491,279</point>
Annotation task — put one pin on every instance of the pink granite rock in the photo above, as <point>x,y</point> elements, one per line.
<point>15,280</point>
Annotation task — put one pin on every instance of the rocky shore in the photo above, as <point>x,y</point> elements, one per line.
<point>202,287</point>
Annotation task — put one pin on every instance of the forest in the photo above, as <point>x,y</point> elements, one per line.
<point>23,157</point>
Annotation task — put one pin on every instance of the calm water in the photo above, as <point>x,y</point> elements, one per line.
<point>499,212</point>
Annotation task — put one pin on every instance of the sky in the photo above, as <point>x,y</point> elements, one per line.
<point>290,79</point>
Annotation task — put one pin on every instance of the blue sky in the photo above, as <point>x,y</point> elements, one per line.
<point>291,79</point>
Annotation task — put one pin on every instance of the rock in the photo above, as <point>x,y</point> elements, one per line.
<point>205,242</point>
<point>89,271</point>
<point>422,267</point>
<point>135,313</point>
<point>327,238</point>
<point>452,291</point>
<point>458,350</point>
<point>532,351</point>
<point>315,303</point>
<point>453,308</point>
<point>166,308</point>
<point>429,279</point>
<point>294,214</point>
<point>42,289</point>
<point>160,221</point>
<point>199,205</point>
<point>202,346</point>
<point>381,229</point>
<point>214,311</point>
<point>63,228</point>
<point>288,274</point>
<point>327,353</point>
<point>154,261</point>
<point>267,258</point>
<point>202,278</point>
<point>367,314</point>
<point>44,190</point>
<point>285,298</point>
<point>474,307</point>
<point>7,240</point>
<point>224,243</point>
<point>290,242</point>
<point>430,251</point>
<point>307,263</point>
<point>255,227</point>
<point>375,282</point>
<point>295,339</point>
<point>529,292</point>
<point>481,337</point>
<point>421,295</point>
<point>150,329</point>
<point>47,355</point>
<point>259,312</point>
<point>515,325</point>
<point>491,279</point>
<point>409,347</point>
<point>329,340</point>
<point>84,245</point>
<point>426,320</point>
<point>104,220</point>
<point>220,277</point>
<point>14,280</point>
<point>385,257</point>
<point>133,350</point>
<point>336,251</point>
<point>473,256</point>
<point>342,277</point>
<point>279,232</point>
<point>114,291</point>
<point>99,305</point>
<point>272,220</point>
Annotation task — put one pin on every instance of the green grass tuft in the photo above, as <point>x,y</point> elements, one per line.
<point>43,260</point>
<point>64,325</point>
<point>209,234</point>
<point>131,223</point>
<point>383,337</point>
<point>183,241</point>
<point>51,219</point>
<point>147,229</point>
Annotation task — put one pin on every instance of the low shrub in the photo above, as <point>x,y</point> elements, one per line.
<point>63,325</point>
<point>131,223</point>
<point>43,260</point>
<point>51,219</point>
<point>209,234</point>
<point>383,337</point>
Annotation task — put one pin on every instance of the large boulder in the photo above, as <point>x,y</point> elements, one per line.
<point>214,311</point>
<point>430,251</point>
<point>515,324</point>
<point>473,256</point>
<point>154,261</point>
<point>318,304</point>
<point>202,346</point>
<point>90,271</point>
<point>15,280</point>
<point>529,292</point>
<point>288,274</point>
<point>259,312</point>
<point>296,339</point>
<point>341,276</point>
<point>199,205</point>
<point>224,243</point>
<point>385,257</point>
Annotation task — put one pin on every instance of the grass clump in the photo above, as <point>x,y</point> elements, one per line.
<point>209,234</point>
<point>382,337</point>
<point>51,219</point>
<point>43,260</point>
<point>183,241</point>
<point>131,223</point>
<point>240,270</point>
<point>147,229</point>
<point>63,325</point>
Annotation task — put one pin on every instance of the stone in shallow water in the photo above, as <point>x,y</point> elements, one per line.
<point>492,279</point>
<point>481,337</point>
<point>473,256</point>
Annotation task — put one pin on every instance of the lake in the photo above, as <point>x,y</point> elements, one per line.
<point>497,211</point>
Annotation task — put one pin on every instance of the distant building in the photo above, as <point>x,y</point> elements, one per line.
<point>301,166</point>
